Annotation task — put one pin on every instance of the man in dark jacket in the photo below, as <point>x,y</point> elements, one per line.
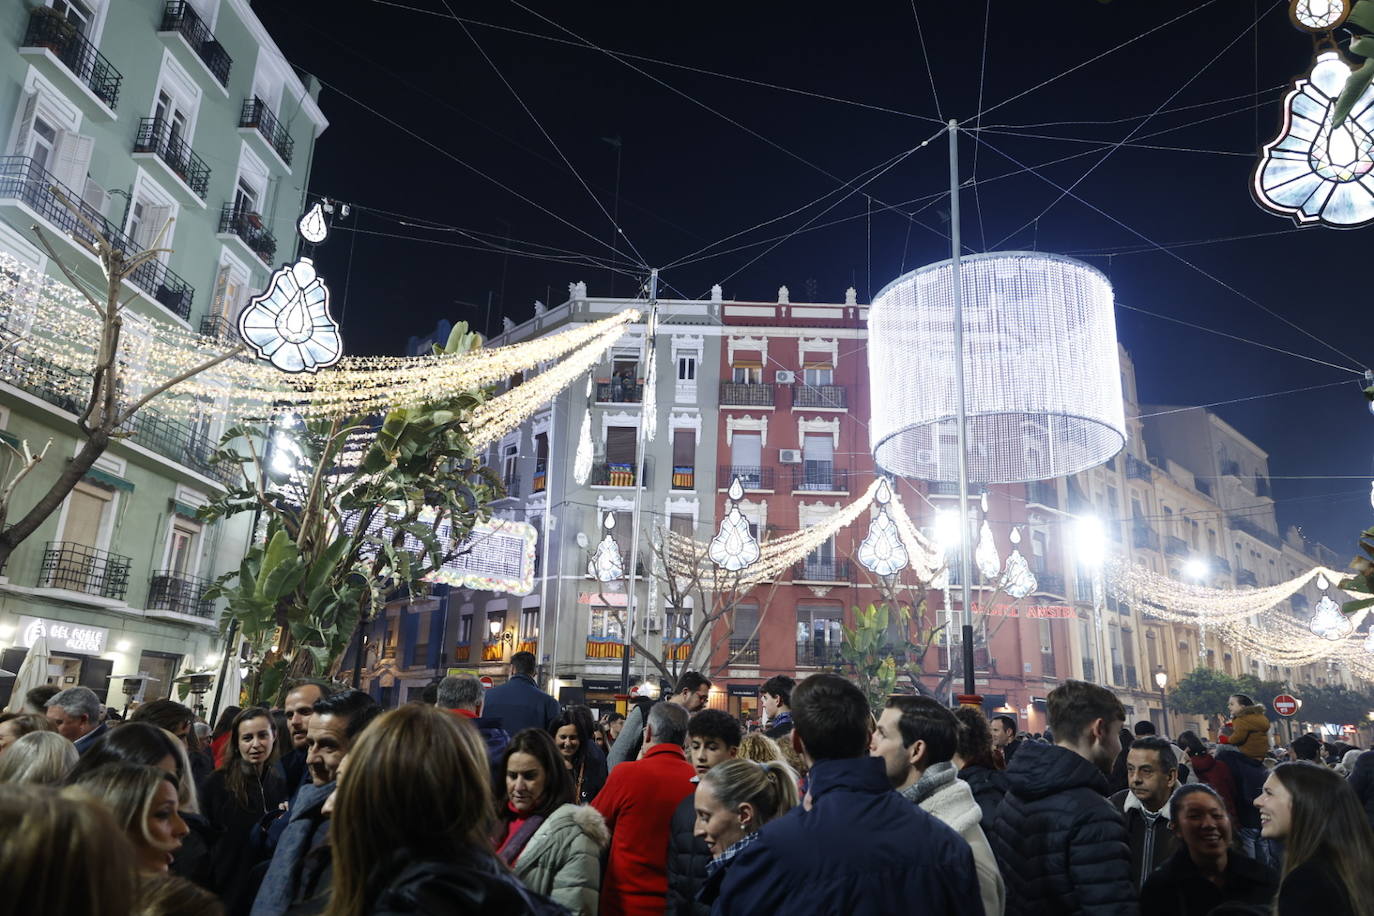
<point>853,846</point>
<point>713,737</point>
<point>1152,775</point>
<point>776,697</point>
<point>519,703</point>
<point>1061,844</point>
<point>691,693</point>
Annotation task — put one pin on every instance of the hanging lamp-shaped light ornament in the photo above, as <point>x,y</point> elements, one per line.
<point>313,227</point>
<point>734,547</point>
<point>650,399</point>
<point>582,460</point>
<point>1318,15</point>
<point>985,555</point>
<point>607,563</point>
<point>1328,622</point>
<point>882,551</point>
<point>290,324</point>
<point>1018,580</point>
<point>1313,171</point>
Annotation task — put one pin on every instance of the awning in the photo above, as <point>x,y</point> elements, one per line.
<point>106,479</point>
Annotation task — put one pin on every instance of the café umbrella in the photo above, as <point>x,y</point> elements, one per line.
<point>32,673</point>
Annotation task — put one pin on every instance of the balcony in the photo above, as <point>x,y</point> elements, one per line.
<point>944,488</point>
<point>1138,470</point>
<point>59,386</point>
<point>1042,493</point>
<point>182,443</point>
<point>1089,674</point>
<point>1143,537</point>
<point>751,478</point>
<point>511,483</point>
<point>823,570</point>
<point>79,568</point>
<point>256,116</point>
<point>819,477</point>
<point>818,654</point>
<point>247,227</point>
<point>22,180</point>
<point>179,18</point>
<point>821,397</point>
<point>606,647</point>
<point>612,474</point>
<point>1230,468</point>
<point>1246,577</point>
<point>50,36</point>
<point>461,651</point>
<point>744,651</point>
<point>219,327</point>
<point>745,394</point>
<point>158,139</point>
<point>1175,546</point>
<point>1241,523</point>
<point>982,660</point>
<point>1050,584</point>
<point>618,390</point>
<point>1203,486</point>
<point>169,590</point>
<point>1131,679</point>
<point>684,477</point>
<point>1221,564</point>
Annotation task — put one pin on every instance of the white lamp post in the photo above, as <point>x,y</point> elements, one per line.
<point>1162,680</point>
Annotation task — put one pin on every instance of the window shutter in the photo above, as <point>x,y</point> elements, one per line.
<point>746,450</point>
<point>154,218</point>
<point>71,160</point>
<point>219,300</point>
<point>21,137</point>
<point>818,449</point>
<point>620,444</point>
<point>684,448</point>
<point>94,195</point>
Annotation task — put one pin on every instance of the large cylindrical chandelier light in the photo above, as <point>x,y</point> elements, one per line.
<point>1041,373</point>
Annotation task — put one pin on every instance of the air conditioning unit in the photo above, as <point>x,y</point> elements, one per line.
<point>790,456</point>
<point>653,624</point>
<point>784,377</point>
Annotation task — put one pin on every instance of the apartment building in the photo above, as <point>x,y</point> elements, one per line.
<point>775,394</point>
<point>167,124</point>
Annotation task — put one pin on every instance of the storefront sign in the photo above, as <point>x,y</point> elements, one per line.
<point>63,637</point>
<point>742,690</point>
<point>1035,612</point>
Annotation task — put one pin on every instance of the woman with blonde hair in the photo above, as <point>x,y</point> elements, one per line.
<point>15,725</point>
<point>38,757</point>
<point>61,853</point>
<point>410,823</point>
<point>734,800</point>
<point>143,800</point>
<point>169,895</point>
<point>758,747</point>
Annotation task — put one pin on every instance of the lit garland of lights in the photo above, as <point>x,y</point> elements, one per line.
<point>36,309</point>
<point>1183,603</point>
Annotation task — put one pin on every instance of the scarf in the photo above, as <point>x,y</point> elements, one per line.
<point>730,852</point>
<point>935,778</point>
<point>518,833</point>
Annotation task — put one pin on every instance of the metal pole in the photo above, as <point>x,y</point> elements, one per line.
<point>549,465</point>
<point>960,415</point>
<point>631,598</point>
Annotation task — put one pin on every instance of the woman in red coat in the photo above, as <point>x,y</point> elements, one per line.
<point>1210,770</point>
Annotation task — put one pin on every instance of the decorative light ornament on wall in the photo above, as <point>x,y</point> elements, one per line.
<point>1018,580</point>
<point>985,555</point>
<point>734,547</point>
<point>1328,622</point>
<point>289,324</point>
<point>1318,15</point>
<point>313,227</point>
<point>607,563</point>
<point>882,551</point>
<point>582,459</point>
<point>1313,172</point>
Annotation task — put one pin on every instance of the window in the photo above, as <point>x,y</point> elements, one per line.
<point>604,625</point>
<point>161,668</point>
<point>621,445</point>
<point>677,623</point>
<point>625,369</point>
<point>499,620</point>
<point>89,516</point>
<point>818,633</point>
<point>747,374</point>
<point>687,366</point>
<point>423,625</point>
<point>226,299</point>
<point>541,463</point>
<point>78,14</point>
<point>149,212</point>
<point>746,454</point>
<point>684,459</point>
<point>818,462</point>
<point>245,197</point>
<point>174,115</point>
<point>1046,633</point>
<point>529,624</point>
<point>817,369</point>
<point>510,458</point>
<point>43,141</point>
<point>465,630</point>
<point>182,542</point>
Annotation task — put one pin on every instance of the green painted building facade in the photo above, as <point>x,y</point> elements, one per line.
<point>139,112</point>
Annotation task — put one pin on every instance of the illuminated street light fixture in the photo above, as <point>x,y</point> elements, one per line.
<point>1161,679</point>
<point>1090,541</point>
<point>1197,569</point>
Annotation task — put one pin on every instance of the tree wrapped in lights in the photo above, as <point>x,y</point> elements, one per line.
<point>355,511</point>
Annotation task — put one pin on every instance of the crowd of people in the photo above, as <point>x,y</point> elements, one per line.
<point>501,801</point>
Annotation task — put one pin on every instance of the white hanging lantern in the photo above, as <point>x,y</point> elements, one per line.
<point>1318,15</point>
<point>1312,171</point>
<point>290,324</point>
<point>985,555</point>
<point>1328,622</point>
<point>312,226</point>
<point>607,563</point>
<point>882,551</point>
<point>1018,580</point>
<point>1041,373</point>
<point>734,547</point>
<point>582,460</point>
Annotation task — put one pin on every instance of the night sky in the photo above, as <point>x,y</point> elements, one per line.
<point>707,152</point>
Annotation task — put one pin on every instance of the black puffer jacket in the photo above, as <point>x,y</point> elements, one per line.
<point>687,858</point>
<point>988,787</point>
<point>480,888</point>
<point>1061,845</point>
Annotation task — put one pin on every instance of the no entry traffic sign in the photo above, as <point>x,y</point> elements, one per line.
<point>1285,705</point>
<point>486,682</point>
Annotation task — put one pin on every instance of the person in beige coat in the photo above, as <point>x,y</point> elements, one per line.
<point>552,845</point>
<point>916,737</point>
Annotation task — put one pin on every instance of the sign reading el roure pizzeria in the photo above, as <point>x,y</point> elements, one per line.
<point>62,636</point>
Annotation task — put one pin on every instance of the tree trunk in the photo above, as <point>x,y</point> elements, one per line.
<point>76,468</point>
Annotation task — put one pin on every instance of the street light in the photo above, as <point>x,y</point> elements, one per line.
<point>1197,568</point>
<point>1161,681</point>
<point>1090,541</point>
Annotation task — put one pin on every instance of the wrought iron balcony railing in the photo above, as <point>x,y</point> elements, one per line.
<point>816,569</point>
<point>1049,583</point>
<point>746,394</point>
<point>619,391</point>
<point>512,485</point>
<point>1175,546</point>
<point>22,179</point>
<point>49,29</point>
<point>182,443</point>
<point>219,327</point>
<point>744,651</point>
<point>180,16</point>
<point>169,590</point>
<point>156,136</point>
<point>751,478</point>
<point>1137,469</point>
<point>612,474</point>
<point>257,115</point>
<point>1241,523</point>
<point>248,226</point>
<point>818,654</point>
<point>1144,537</point>
<point>1221,564</point>
<point>820,397</point>
<point>59,386</point>
<point>822,476</point>
<point>79,568</point>
<point>1246,577</point>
